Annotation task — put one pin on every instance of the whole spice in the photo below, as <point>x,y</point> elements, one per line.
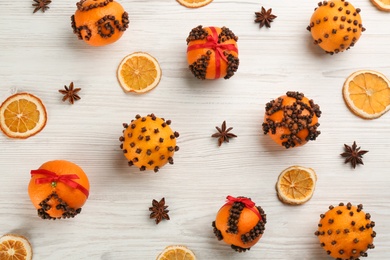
<point>223,134</point>
<point>70,93</point>
<point>353,154</point>
<point>41,4</point>
<point>265,17</point>
<point>159,210</point>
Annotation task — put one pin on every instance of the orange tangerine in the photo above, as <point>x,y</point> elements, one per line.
<point>336,25</point>
<point>240,223</point>
<point>292,120</point>
<point>212,52</point>
<point>58,189</point>
<point>346,232</point>
<point>99,22</point>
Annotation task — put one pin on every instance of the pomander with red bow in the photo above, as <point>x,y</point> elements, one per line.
<point>240,223</point>
<point>212,52</point>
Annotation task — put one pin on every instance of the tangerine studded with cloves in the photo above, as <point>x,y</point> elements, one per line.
<point>346,232</point>
<point>291,120</point>
<point>239,223</point>
<point>335,25</point>
<point>212,52</point>
<point>99,22</point>
<point>149,142</point>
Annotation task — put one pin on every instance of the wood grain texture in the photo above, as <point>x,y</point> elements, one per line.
<point>40,54</point>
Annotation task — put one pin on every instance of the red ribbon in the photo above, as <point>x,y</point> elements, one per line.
<point>247,202</point>
<point>212,43</point>
<point>53,177</point>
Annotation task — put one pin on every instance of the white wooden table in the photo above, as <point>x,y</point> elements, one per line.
<point>40,54</point>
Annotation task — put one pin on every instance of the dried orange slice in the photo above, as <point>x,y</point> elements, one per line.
<point>139,72</point>
<point>15,247</point>
<point>194,3</point>
<point>176,253</point>
<point>296,185</point>
<point>22,115</point>
<point>367,93</point>
<point>383,5</point>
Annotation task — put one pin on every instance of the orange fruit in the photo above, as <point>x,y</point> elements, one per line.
<point>58,189</point>
<point>296,185</point>
<point>335,26</point>
<point>176,252</point>
<point>15,247</point>
<point>99,22</point>
<point>291,120</point>
<point>346,232</point>
<point>212,52</point>
<point>22,115</point>
<point>194,3</point>
<point>149,142</point>
<point>240,225</point>
<point>139,72</point>
<point>383,5</point>
<point>367,93</point>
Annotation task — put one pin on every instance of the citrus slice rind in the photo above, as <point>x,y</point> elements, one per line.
<point>22,115</point>
<point>139,72</point>
<point>383,5</point>
<point>176,252</point>
<point>15,247</point>
<point>296,185</point>
<point>194,3</point>
<point>367,94</point>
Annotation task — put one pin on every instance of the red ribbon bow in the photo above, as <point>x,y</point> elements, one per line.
<point>53,177</point>
<point>212,43</point>
<point>247,202</point>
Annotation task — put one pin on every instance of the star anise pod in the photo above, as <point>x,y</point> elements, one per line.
<point>265,17</point>
<point>70,93</point>
<point>353,154</point>
<point>159,210</point>
<point>41,4</point>
<point>223,134</point>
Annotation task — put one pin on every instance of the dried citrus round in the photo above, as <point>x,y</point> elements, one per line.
<point>139,72</point>
<point>346,232</point>
<point>15,247</point>
<point>367,93</point>
<point>58,189</point>
<point>22,115</point>
<point>194,3</point>
<point>176,252</point>
<point>296,185</point>
<point>335,25</point>
<point>99,22</point>
<point>383,5</point>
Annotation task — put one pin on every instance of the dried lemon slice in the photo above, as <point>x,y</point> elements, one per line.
<point>176,252</point>
<point>22,115</point>
<point>367,93</point>
<point>194,3</point>
<point>296,185</point>
<point>383,5</point>
<point>139,72</point>
<point>15,247</point>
